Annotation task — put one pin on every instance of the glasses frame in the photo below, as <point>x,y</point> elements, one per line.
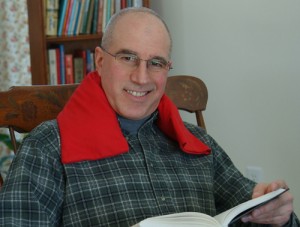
<point>168,66</point>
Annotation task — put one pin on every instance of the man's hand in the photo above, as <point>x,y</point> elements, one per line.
<point>277,212</point>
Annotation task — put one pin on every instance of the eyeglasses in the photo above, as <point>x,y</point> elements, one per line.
<point>132,61</point>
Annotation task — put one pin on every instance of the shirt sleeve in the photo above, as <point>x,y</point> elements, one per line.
<point>32,194</point>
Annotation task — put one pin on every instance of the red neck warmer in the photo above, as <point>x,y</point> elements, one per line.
<point>89,128</point>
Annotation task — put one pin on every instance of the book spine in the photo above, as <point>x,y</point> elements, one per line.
<point>52,66</point>
<point>108,11</point>
<point>82,54</point>
<point>69,69</point>
<point>100,16</point>
<point>104,14</point>
<point>80,17</point>
<point>95,17</point>
<point>78,69</point>
<point>58,76</point>
<point>68,16</point>
<point>137,3</point>
<point>117,5</point>
<point>51,17</point>
<point>77,15</point>
<point>146,3</point>
<point>62,14</point>
<point>62,63</point>
<point>128,3</point>
<point>123,4</point>
<point>90,17</point>
<point>73,17</point>
<point>112,8</point>
<point>88,62</point>
<point>85,17</point>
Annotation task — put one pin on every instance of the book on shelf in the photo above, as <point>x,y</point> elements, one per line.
<point>100,16</point>
<point>51,16</point>
<point>189,219</point>
<point>78,69</point>
<point>108,11</point>
<point>58,76</point>
<point>84,17</point>
<point>67,19</point>
<point>52,62</point>
<point>73,17</point>
<point>82,54</point>
<point>62,14</point>
<point>129,3</point>
<point>90,17</point>
<point>69,70</point>
<point>123,4</point>
<point>137,3</point>
<point>62,63</point>
<point>117,5</point>
<point>89,61</point>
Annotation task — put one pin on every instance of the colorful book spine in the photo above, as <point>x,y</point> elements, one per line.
<point>62,14</point>
<point>74,12</point>
<point>58,65</point>
<point>68,16</point>
<point>95,17</point>
<point>129,3</point>
<point>62,63</point>
<point>80,17</point>
<point>123,4</point>
<point>90,17</point>
<point>108,11</point>
<point>89,66</point>
<point>69,69</point>
<point>85,17</point>
<point>104,14</point>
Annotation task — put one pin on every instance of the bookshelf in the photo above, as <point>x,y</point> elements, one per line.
<point>39,42</point>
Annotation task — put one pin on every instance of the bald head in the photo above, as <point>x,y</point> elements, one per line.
<point>134,17</point>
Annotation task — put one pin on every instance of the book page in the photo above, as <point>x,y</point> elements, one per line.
<point>240,210</point>
<point>184,219</point>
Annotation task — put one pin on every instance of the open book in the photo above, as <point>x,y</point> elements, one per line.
<point>189,219</point>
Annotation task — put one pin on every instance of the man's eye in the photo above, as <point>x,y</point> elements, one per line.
<point>128,57</point>
<point>158,63</point>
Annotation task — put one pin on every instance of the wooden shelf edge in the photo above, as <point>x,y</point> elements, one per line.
<point>62,39</point>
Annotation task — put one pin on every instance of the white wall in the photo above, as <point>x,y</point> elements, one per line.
<point>248,54</point>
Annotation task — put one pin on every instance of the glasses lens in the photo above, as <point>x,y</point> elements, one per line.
<point>128,59</point>
<point>157,65</point>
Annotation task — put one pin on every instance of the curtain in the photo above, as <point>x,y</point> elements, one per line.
<point>14,44</point>
<point>14,59</point>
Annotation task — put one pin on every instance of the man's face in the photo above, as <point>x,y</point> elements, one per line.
<point>134,92</point>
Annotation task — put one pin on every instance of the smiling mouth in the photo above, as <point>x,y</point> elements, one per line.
<point>137,93</point>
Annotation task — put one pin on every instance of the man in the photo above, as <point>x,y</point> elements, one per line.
<point>119,153</point>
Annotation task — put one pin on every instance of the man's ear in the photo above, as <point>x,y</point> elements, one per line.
<point>99,59</point>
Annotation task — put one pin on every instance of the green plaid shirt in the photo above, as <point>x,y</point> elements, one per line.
<point>154,178</point>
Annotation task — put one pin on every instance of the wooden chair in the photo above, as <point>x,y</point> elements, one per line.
<point>22,108</point>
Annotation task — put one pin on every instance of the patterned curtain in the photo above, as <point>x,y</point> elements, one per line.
<point>14,59</point>
<point>14,44</point>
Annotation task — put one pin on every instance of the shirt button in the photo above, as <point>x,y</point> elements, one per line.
<point>163,198</point>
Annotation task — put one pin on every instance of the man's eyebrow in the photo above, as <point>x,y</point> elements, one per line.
<point>127,51</point>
